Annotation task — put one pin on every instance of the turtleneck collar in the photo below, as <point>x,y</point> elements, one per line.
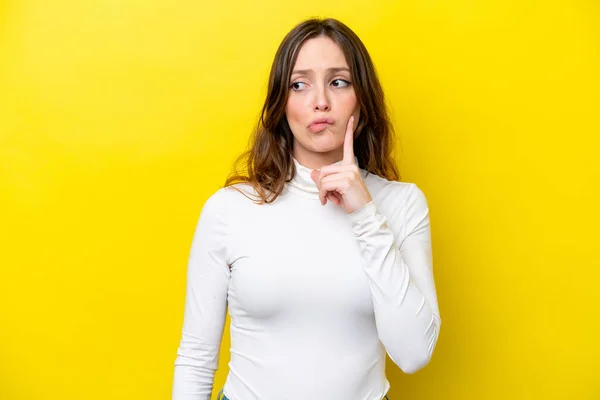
<point>303,184</point>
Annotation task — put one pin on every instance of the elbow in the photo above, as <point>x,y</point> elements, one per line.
<point>417,356</point>
<point>410,365</point>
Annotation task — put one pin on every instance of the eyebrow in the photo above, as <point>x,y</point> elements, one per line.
<point>308,71</point>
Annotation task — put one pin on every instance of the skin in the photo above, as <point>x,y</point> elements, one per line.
<point>324,90</point>
<point>320,92</point>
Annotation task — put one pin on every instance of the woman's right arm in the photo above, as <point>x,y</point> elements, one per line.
<point>205,304</point>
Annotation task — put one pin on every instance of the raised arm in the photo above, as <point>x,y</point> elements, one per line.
<point>205,304</point>
<point>400,275</point>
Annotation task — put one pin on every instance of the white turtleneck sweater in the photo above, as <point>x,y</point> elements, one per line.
<point>316,296</point>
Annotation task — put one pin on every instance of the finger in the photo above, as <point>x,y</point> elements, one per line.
<point>336,183</point>
<point>338,198</point>
<point>323,195</point>
<point>349,143</point>
<point>339,185</point>
<point>318,175</point>
<point>315,175</point>
<point>339,177</point>
<point>331,196</point>
<point>332,169</point>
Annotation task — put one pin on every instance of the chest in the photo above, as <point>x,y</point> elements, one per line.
<point>297,265</point>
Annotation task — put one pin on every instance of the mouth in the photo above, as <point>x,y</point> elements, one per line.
<point>320,124</point>
<point>318,127</point>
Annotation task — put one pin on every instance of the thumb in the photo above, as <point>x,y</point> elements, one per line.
<point>314,175</point>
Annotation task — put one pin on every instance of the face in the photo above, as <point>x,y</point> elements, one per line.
<point>320,88</point>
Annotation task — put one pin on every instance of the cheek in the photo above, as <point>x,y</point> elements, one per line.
<point>295,110</point>
<point>349,102</point>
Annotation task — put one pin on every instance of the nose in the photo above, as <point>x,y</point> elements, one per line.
<point>321,100</point>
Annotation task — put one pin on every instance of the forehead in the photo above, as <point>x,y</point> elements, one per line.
<point>320,53</point>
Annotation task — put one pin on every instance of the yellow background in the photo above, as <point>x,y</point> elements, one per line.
<point>119,118</point>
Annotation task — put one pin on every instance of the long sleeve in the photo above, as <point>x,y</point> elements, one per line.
<point>205,304</point>
<point>400,274</point>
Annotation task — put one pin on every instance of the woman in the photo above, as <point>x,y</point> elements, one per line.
<point>322,256</point>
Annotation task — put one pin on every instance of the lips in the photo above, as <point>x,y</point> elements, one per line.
<point>315,128</point>
<point>320,124</point>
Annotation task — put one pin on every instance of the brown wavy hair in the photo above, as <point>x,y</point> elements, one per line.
<point>268,161</point>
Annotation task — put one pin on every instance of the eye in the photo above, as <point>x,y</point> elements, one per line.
<point>297,85</point>
<point>340,83</point>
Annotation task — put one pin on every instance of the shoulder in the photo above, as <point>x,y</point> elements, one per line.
<point>238,198</point>
<point>217,201</point>
<point>214,208</point>
<point>227,196</point>
<point>394,194</point>
<point>219,211</point>
<point>403,203</point>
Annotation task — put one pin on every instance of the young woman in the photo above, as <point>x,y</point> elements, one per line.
<point>322,256</point>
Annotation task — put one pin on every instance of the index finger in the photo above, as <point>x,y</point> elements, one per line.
<point>349,143</point>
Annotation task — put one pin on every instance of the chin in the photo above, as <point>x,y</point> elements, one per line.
<point>324,148</point>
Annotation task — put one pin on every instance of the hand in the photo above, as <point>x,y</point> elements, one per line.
<point>342,183</point>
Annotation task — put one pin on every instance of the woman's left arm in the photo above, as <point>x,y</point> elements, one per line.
<point>401,279</point>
